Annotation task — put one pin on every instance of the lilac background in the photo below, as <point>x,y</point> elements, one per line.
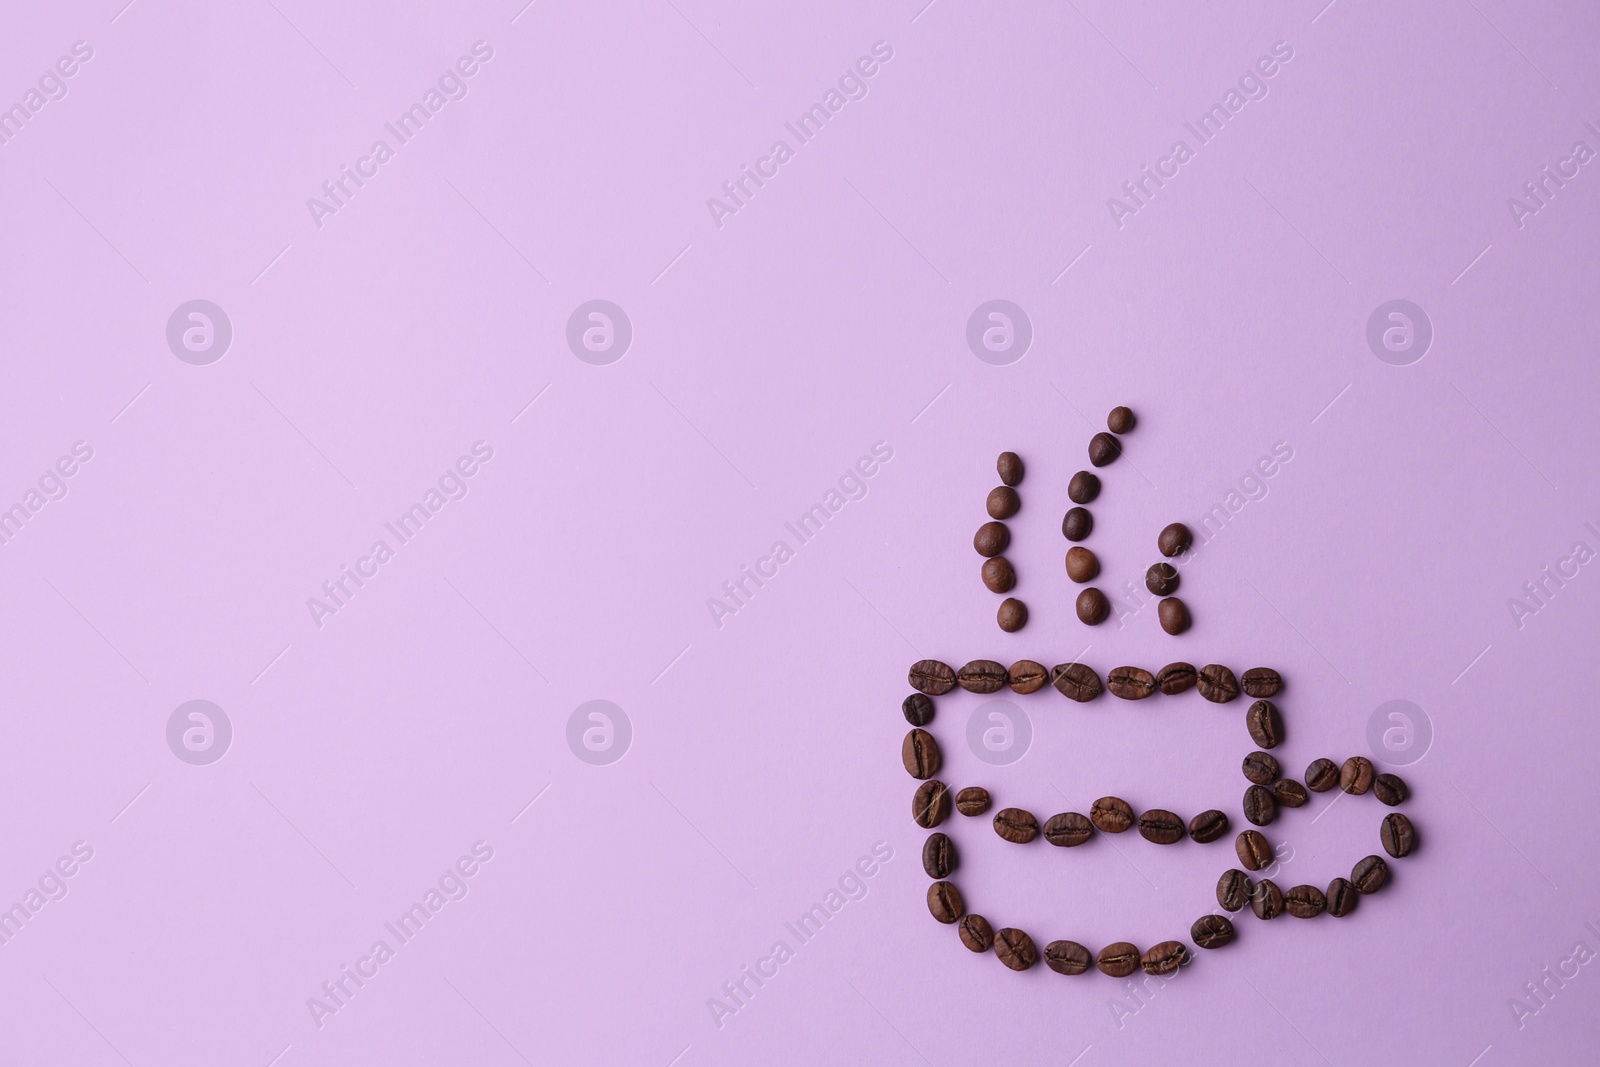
<point>769,354</point>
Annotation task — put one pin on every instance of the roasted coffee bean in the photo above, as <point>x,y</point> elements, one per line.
<point>1266,899</point>
<point>1233,890</point>
<point>1130,683</point>
<point>998,575</point>
<point>1161,579</point>
<point>1164,958</point>
<point>1289,793</point>
<point>1093,607</point>
<point>1003,502</point>
<point>1341,897</point>
<point>1390,789</point>
<point>1015,825</point>
<point>1356,775</point>
<point>920,753</point>
<point>1082,565</point>
<point>1399,836</point>
<point>1217,684</point>
<point>1261,768</point>
<point>1304,902</point>
<point>1264,723</point>
<point>918,709</point>
<point>973,800</point>
<point>1212,931</point>
<point>932,677</point>
<point>1015,949</point>
<point>1322,775</point>
<point>1120,420</point>
<point>976,933</point>
<point>1068,829</point>
<point>945,903</point>
<point>991,539</point>
<point>1010,467</point>
<point>1012,616</point>
<point>1103,448</point>
<point>1208,826</point>
<point>1077,524</point>
<point>1025,676</point>
<point>1369,874</point>
<point>1173,614</point>
<point>982,676</point>
<point>1118,959</point>
<point>1076,681</point>
<point>1174,539</point>
<point>938,856</point>
<point>1160,827</point>
<point>930,805</point>
<point>1176,678</point>
<point>1067,957</point>
<point>1111,815</point>
<point>1254,852</point>
<point>1260,807</point>
<point>1084,487</point>
<point>1261,682</point>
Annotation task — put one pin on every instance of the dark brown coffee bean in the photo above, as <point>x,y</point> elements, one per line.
<point>1322,775</point>
<point>932,677</point>
<point>938,856</point>
<point>998,575</point>
<point>1082,565</point>
<point>1068,829</point>
<point>982,676</point>
<point>1212,931</point>
<point>1355,776</point>
<point>991,539</point>
<point>1015,949</point>
<point>1025,676</point>
<point>1012,616</point>
<point>1304,902</point>
<point>1118,959</point>
<point>1174,539</point>
<point>1233,890</point>
<point>1254,852</point>
<point>930,806</point>
<point>1076,681</point>
<point>1176,678</point>
<point>1217,684</point>
<point>1067,957</point>
<point>1289,793</point>
<point>1369,874</point>
<point>1003,502</point>
<point>1259,805</point>
<point>973,800</point>
<point>1261,682</point>
<point>1103,448</point>
<point>1010,467</point>
<point>1111,815</point>
<point>1160,827</point>
<point>1093,607</point>
<point>1164,958</point>
<point>1390,789</point>
<point>945,903</point>
<point>1341,897</point>
<point>1077,524</point>
<point>1083,488</point>
<point>1209,826</point>
<point>1016,825</point>
<point>1130,683</point>
<point>1399,836</point>
<point>1266,899</point>
<point>1264,723</point>
<point>1173,614</point>
<point>1120,420</point>
<point>918,709</point>
<point>920,753</point>
<point>1261,768</point>
<point>1161,579</point>
<point>976,933</point>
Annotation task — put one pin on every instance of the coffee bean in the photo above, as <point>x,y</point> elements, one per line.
<point>1369,874</point>
<point>1304,902</point>
<point>1289,793</point>
<point>1341,897</point>
<point>1076,681</point>
<point>1259,805</point>
<point>1015,825</point>
<point>938,856</point>
<point>1164,958</point>
<point>1118,959</point>
<point>1103,448</point>
<point>998,575</point>
<point>1120,420</point>
<point>1067,829</point>
<point>1208,826</point>
<point>917,709</point>
<point>1174,539</point>
<point>982,676</point>
<point>945,903</point>
<point>1013,615</point>
<point>1067,957</point>
<point>1217,684</point>
<point>1161,579</point>
<point>1093,607</point>
<point>1355,776</point>
<point>1390,789</point>
<point>1083,488</point>
<point>1261,682</point>
<point>1261,768</point>
<point>1026,676</point>
<point>1233,890</point>
<point>1010,467</point>
<point>1077,524</point>
<point>976,933</point>
<point>1130,683</point>
<point>1254,852</point>
<point>973,800</point>
<point>932,677</point>
<point>1082,565</point>
<point>1264,723</point>
<point>1015,949</point>
<point>991,539</point>
<point>1003,502</point>
<point>930,806</point>
<point>1212,931</point>
<point>1173,614</point>
<point>1266,899</point>
<point>1322,775</point>
<point>1160,827</point>
<point>1111,815</point>
<point>920,753</point>
<point>1399,836</point>
<point>1176,678</point>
